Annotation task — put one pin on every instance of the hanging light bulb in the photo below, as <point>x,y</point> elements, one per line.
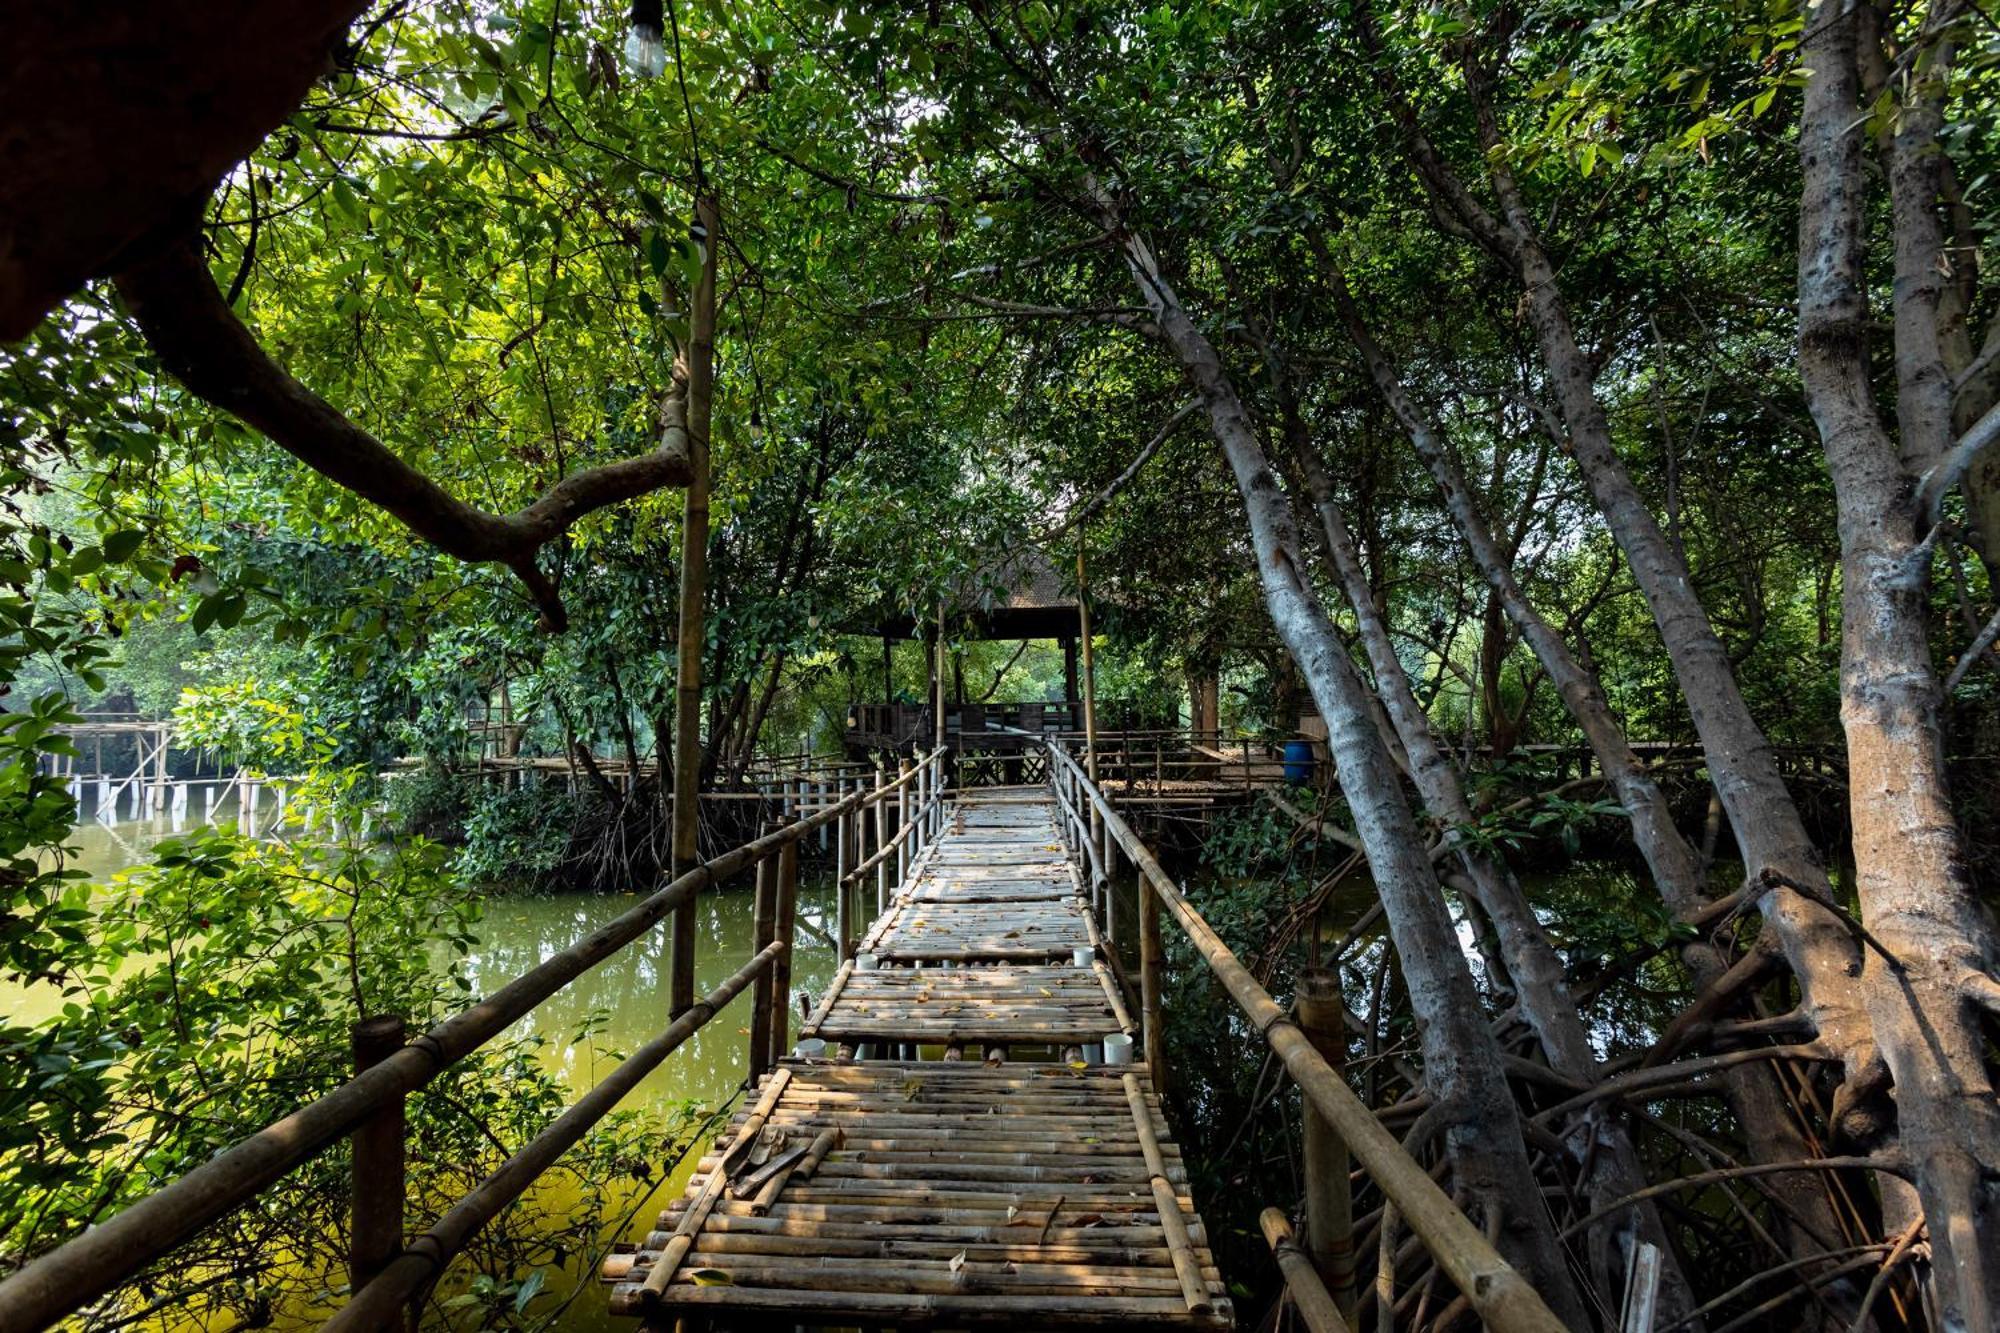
<point>645,39</point>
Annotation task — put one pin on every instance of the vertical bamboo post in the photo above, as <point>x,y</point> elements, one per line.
<point>1089,680</point>
<point>763,929</point>
<point>698,367</point>
<point>375,1234</point>
<point>1097,832</point>
<point>1152,963</point>
<point>938,780</point>
<point>902,818</point>
<point>1329,1206</point>
<point>882,832</point>
<point>843,920</point>
<point>938,742</point>
<point>787,910</point>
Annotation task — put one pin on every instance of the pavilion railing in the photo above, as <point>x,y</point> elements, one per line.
<point>389,1275</point>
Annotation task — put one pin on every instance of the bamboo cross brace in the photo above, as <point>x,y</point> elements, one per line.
<point>1178,1243</point>
<point>711,1192</point>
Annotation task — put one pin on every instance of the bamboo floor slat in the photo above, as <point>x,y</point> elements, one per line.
<point>1029,1194</point>
<point>957,1195</point>
<point>1023,932</point>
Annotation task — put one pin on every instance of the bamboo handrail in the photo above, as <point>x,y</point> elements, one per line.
<point>407,1276</point>
<point>1500,1296</point>
<point>89,1265</point>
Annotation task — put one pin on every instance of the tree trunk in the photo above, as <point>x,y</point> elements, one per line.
<point>1915,895</point>
<point>698,371</point>
<point>1823,955</point>
<point>1462,1067</point>
<point>1770,1126</point>
<point>1600,1147</point>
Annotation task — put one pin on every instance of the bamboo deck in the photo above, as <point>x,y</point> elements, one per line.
<point>1041,1192</point>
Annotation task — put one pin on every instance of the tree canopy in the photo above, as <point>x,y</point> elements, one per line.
<point>1478,377</point>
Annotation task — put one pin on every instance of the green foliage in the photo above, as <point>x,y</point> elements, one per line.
<point>518,837</point>
<point>210,993</point>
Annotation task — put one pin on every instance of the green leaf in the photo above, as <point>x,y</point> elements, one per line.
<point>122,545</point>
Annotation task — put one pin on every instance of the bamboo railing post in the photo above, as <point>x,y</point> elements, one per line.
<point>787,910</point>
<point>902,818</point>
<point>1329,1203</point>
<point>843,921</point>
<point>764,928</point>
<point>376,1231</point>
<point>1152,963</point>
<point>881,840</point>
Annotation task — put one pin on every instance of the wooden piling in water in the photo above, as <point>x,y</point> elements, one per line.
<point>764,927</point>
<point>1152,964</point>
<point>786,910</point>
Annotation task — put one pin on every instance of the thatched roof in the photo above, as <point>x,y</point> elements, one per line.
<point>1031,602</point>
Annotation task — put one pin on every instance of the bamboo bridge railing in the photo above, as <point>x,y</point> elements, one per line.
<point>369,1108</point>
<point>1499,1295</point>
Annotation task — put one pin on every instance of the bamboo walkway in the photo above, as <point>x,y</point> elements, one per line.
<point>1017,1181</point>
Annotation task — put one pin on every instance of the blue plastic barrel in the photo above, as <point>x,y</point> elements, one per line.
<point>1298,763</point>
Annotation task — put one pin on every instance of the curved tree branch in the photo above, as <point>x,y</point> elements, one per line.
<point>203,345</point>
<point>1123,479</point>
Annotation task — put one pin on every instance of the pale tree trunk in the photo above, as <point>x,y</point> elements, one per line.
<point>1599,1146</point>
<point>1916,897</point>
<point>1770,1125</point>
<point>1823,954</point>
<point>1462,1066</point>
<point>697,370</point>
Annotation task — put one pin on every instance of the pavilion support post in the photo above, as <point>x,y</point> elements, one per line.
<point>938,740</point>
<point>1070,695</point>
<point>763,929</point>
<point>1098,833</point>
<point>1329,1204</point>
<point>375,1233</point>
<point>786,908</point>
<point>699,370</point>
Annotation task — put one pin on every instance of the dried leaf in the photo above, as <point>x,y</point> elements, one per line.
<point>957,1262</point>
<point>711,1277</point>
